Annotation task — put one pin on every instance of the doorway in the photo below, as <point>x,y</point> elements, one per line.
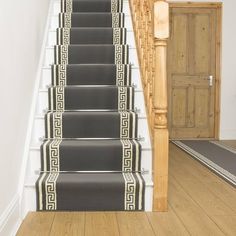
<point>194,52</point>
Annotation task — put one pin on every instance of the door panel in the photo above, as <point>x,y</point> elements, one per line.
<point>191,60</point>
<point>179,108</point>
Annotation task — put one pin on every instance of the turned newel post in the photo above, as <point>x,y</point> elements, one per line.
<point>160,131</point>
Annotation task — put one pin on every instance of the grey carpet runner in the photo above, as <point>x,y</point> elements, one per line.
<point>91,159</point>
<point>213,154</point>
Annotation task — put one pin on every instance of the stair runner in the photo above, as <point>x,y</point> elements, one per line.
<point>90,159</point>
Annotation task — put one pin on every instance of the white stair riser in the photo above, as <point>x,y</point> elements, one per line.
<point>46,78</point>
<point>53,41</point>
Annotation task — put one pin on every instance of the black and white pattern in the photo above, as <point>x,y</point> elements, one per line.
<point>121,54</point>
<point>54,125</point>
<point>51,192</point>
<point>79,6</point>
<point>59,76</point>
<point>62,74</point>
<point>122,73</point>
<point>54,156</point>
<point>91,127</point>
<point>65,20</point>
<point>119,36</point>
<point>63,36</point>
<point>63,98</point>
<point>61,54</point>
<point>127,156</point>
<point>127,120</point>
<point>66,6</point>
<point>130,191</point>
<point>65,155</point>
<point>69,20</point>
<point>67,36</point>
<point>117,20</point>
<point>122,98</point>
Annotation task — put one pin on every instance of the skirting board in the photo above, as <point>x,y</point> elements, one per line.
<point>10,219</point>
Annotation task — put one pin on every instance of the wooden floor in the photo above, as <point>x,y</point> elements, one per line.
<point>229,143</point>
<point>200,203</point>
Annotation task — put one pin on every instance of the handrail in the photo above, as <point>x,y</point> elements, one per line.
<point>151,25</point>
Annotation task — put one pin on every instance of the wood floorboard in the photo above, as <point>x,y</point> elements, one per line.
<point>167,223</point>
<point>227,224</point>
<point>201,194</point>
<point>195,220</point>
<point>200,203</point>
<point>230,143</point>
<point>101,224</point>
<point>134,223</point>
<point>215,184</point>
<point>37,224</point>
<point>68,223</point>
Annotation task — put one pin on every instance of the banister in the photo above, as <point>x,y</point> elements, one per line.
<point>151,26</point>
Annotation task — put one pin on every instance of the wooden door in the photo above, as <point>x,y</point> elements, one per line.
<point>192,72</point>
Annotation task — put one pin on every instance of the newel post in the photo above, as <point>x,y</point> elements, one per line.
<point>160,135</point>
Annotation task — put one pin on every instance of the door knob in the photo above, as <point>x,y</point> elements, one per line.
<point>210,78</point>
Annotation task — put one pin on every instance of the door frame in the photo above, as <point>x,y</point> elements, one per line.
<point>218,6</point>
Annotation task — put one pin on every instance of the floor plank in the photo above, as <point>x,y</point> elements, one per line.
<point>230,143</point>
<point>227,224</point>
<point>223,190</point>
<point>68,223</point>
<point>37,224</point>
<point>193,185</point>
<point>192,216</point>
<point>167,223</point>
<point>101,224</point>
<point>134,224</point>
<point>198,191</point>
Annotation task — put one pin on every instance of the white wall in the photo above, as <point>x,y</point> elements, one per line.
<point>22,26</point>
<point>228,86</point>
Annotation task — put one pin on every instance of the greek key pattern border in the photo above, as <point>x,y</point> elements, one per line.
<point>130,190</point>
<point>124,125</point>
<point>117,20</point>
<point>59,75</point>
<point>57,124</point>
<point>66,6</point>
<point>65,20</point>
<point>127,160</point>
<point>120,75</point>
<point>51,192</point>
<point>122,98</point>
<point>63,36</point>
<point>60,98</point>
<point>54,155</point>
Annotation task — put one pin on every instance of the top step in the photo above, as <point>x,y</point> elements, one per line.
<point>69,6</point>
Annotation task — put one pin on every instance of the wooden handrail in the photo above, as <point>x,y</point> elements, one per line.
<point>151,26</point>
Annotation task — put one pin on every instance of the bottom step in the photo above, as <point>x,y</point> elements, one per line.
<point>90,192</point>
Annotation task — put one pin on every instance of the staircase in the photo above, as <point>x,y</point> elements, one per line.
<point>95,151</point>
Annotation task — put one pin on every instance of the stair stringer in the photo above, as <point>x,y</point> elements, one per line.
<point>33,151</point>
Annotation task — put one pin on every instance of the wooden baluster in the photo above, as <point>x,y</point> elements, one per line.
<point>161,137</point>
<point>149,61</point>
